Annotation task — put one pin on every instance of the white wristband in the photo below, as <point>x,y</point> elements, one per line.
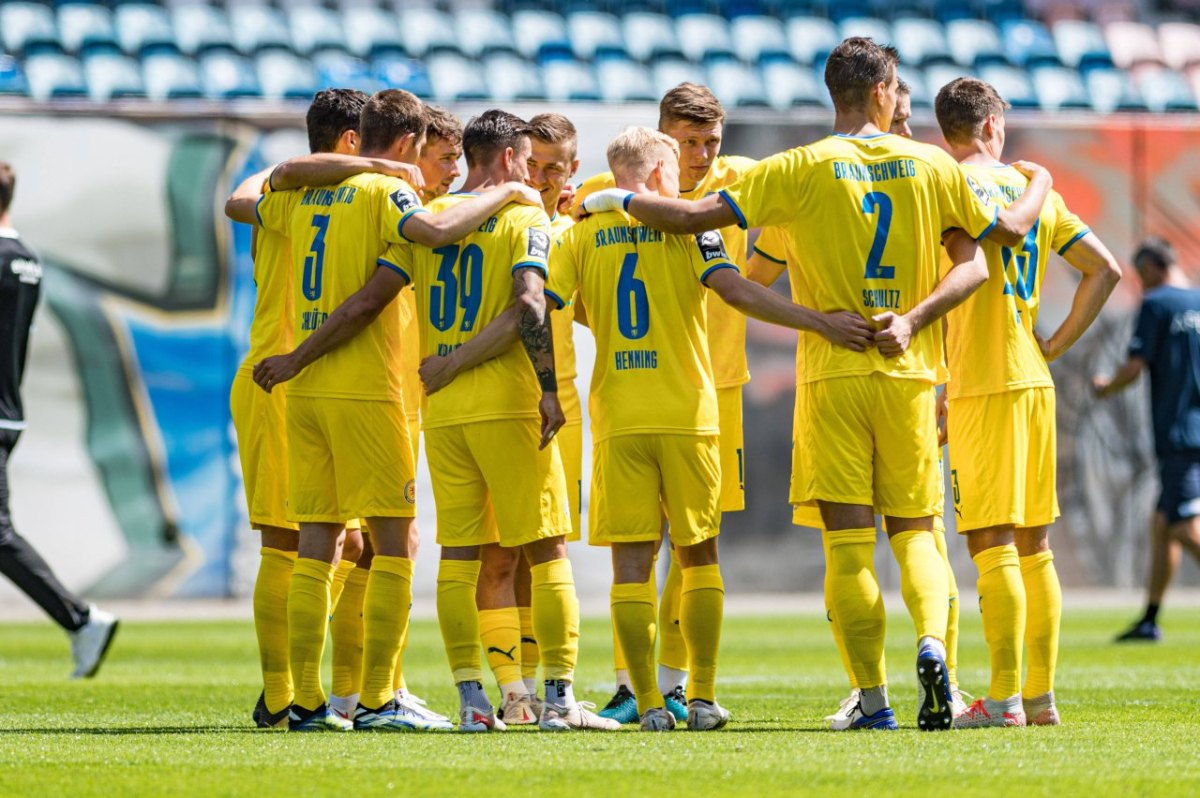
<point>609,199</point>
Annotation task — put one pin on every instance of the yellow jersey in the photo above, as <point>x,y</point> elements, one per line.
<point>410,351</point>
<point>338,233</point>
<point>991,344</point>
<point>865,215</point>
<point>644,294</point>
<point>563,324</point>
<point>462,287</point>
<point>271,327</point>
<point>726,326</point>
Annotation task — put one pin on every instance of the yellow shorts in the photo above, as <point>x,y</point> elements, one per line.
<point>635,478</point>
<point>733,463</point>
<point>871,440</point>
<point>260,422</point>
<point>414,435</point>
<point>570,447</point>
<point>349,458</point>
<point>492,485</point>
<point>1002,459</point>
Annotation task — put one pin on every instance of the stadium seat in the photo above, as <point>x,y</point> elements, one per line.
<point>314,29</point>
<point>510,77</point>
<point>1112,90</point>
<point>974,43</point>
<point>1081,45</point>
<point>938,75</point>
<point>670,72</point>
<point>947,11</point>
<point>541,35</point>
<point>398,72</point>
<point>1193,77</point>
<point>789,86</point>
<point>28,28</point>
<point>371,31</point>
<point>1132,43</point>
<point>200,28</point>
<point>869,27</point>
<point>735,9</point>
<point>811,39</point>
<point>786,9</point>
<point>54,75</point>
<point>1012,83</point>
<point>1058,88</point>
<point>224,75</point>
<point>1164,90</point>
<point>920,41</point>
<point>568,80</point>
<point>481,31</point>
<point>12,78</point>
<point>142,28</point>
<point>918,86</point>
<point>1000,11</point>
<point>85,26</point>
<point>624,80</point>
<point>426,31</point>
<point>112,76</point>
<point>1028,44</point>
<point>337,69</point>
<point>758,39</point>
<point>1180,44</point>
<point>595,34</point>
<point>455,78</point>
<point>895,10</point>
<point>840,10</point>
<point>286,76</point>
<point>704,37</point>
<point>736,85</point>
<point>170,76</point>
<point>257,28</point>
<point>650,36</point>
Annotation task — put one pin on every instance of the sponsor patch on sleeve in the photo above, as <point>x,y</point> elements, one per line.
<point>979,191</point>
<point>712,246</point>
<point>405,200</point>
<point>539,244</point>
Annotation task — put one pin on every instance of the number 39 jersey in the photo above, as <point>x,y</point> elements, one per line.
<point>991,345</point>
<point>644,296</point>
<point>460,289</point>
<point>337,234</point>
<point>864,216</point>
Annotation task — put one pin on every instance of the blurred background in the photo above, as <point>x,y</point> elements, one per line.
<point>128,123</point>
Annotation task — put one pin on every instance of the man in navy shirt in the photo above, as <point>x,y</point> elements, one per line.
<point>1166,342</point>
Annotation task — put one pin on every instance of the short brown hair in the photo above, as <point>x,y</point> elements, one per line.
<point>1156,250</point>
<point>8,184</point>
<point>442,125</point>
<point>491,132</point>
<point>963,105</point>
<point>332,113</point>
<point>691,103</point>
<point>554,129</point>
<point>635,150</point>
<point>854,68</point>
<point>387,116</point>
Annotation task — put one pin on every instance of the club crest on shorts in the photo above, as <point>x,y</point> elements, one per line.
<point>410,491</point>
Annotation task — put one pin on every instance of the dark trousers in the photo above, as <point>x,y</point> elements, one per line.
<point>24,566</point>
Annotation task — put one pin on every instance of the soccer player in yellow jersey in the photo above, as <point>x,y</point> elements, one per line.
<point>1001,414</point>
<point>439,157</point>
<point>349,449</point>
<point>837,199</point>
<point>655,420</point>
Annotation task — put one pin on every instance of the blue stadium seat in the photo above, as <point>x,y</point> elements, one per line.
<point>481,31</point>
<point>224,75</point>
<point>946,11</point>
<point>1112,90</point>
<point>1059,87</point>
<point>649,37</point>
<point>371,31</point>
<point>920,41</point>
<point>1012,83</point>
<point>426,31</point>
<point>733,9</point>
<point>510,77</point>
<point>974,43</point>
<point>12,78</point>
<point>918,86</point>
<point>869,27</point>
<point>736,85</point>
<point>85,26</point>
<point>704,37</point>
<point>1164,90</point>
<point>789,85</point>
<point>257,28</point>
<point>28,28</point>
<point>668,73</point>
<point>595,34</point>
<point>569,81</point>
<point>455,78</point>
<point>680,8</point>
<point>1028,44</point>
<point>112,76</point>
<point>286,76</point>
<point>170,76</point>
<point>841,10</point>
<point>1081,45</point>
<point>1180,44</point>
<point>1000,11</point>
<point>200,28</point>
<point>786,9</point>
<point>896,10</point>
<point>938,75</point>
<point>541,35</point>
<point>624,80</point>
<point>758,39</point>
<point>398,72</point>
<point>143,28</point>
<point>54,75</point>
<point>1132,43</point>
<point>336,69</point>
<point>811,39</point>
<point>314,29</point>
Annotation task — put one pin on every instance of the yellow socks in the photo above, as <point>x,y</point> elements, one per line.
<point>856,602</point>
<point>1002,604</point>
<point>308,614</point>
<point>346,630</point>
<point>1044,599</point>
<point>398,680</point>
<point>500,631</point>
<point>672,650</point>
<point>385,614</point>
<point>458,617</point>
<point>701,610</point>
<point>923,582</point>
<point>556,618</point>
<point>834,626</point>
<point>271,625</point>
<point>633,620</point>
<point>939,538</point>
<point>530,655</point>
<point>340,574</point>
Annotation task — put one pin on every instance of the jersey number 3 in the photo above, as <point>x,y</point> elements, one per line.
<point>460,285</point>
<point>314,261</point>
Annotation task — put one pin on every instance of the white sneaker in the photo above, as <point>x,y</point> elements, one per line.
<point>579,716</point>
<point>657,720</point>
<point>518,710</point>
<point>1041,711</point>
<point>840,720</point>
<point>416,706</point>
<point>90,643</point>
<point>473,719</point>
<point>986,713</point>
<point>703,716</point>
<point>959,700</point>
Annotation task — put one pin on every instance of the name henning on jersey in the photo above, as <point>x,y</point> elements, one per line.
<point>627,359</point>
<point>27,271</point>
<point>875,172</point>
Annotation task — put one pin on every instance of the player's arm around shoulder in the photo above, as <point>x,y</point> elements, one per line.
<point>241,206</point>
<point>331,168</point>
<point>1015,220</point>
<point>460,219</point>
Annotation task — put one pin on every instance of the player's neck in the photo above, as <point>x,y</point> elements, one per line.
<point>977,152</point>
<point>856,123</point>
<point>636,186</point>
<point>1175,277</point>
<point>479,180</point>
<point>5,221</point>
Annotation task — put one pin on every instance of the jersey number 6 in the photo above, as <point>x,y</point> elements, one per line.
<point>633,309</point>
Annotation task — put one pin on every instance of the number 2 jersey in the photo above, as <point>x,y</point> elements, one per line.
<point>459,289</point>
<point>338,234</point>
<point>644,295</point>
<point>990,345</point>
<point>864,215</point>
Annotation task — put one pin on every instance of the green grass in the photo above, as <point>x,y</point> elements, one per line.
<point>169,715</point>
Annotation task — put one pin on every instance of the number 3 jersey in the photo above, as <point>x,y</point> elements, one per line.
<point>338,234</point>
<point>990,345</point>
<point>864,217</point>
<point>644,296</point>
<point>460,289</point>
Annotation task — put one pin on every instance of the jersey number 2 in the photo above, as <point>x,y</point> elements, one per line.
<point>314,261</point>
<point>633,308</point>
<point>879,202</point>
<point>460,287</point>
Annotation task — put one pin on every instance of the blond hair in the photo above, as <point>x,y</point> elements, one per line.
<point>554,129</point>
<point>635,152</point>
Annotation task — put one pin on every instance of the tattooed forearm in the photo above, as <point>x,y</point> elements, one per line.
<point>534,327</point>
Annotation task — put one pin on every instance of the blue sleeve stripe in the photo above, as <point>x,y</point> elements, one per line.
<point>625,204</point>
<point>531,264</point>
<point>257,212</point>
<point>716,267</point>
<point>557,299</point>
<point>387,264</point>
<point>729,201</point>
<point>405,218</point>
<point>1071,243</point>
<point>771,258</point>
<point>990,227</point>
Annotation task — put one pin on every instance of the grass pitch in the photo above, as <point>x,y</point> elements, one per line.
<point>169,715</point>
